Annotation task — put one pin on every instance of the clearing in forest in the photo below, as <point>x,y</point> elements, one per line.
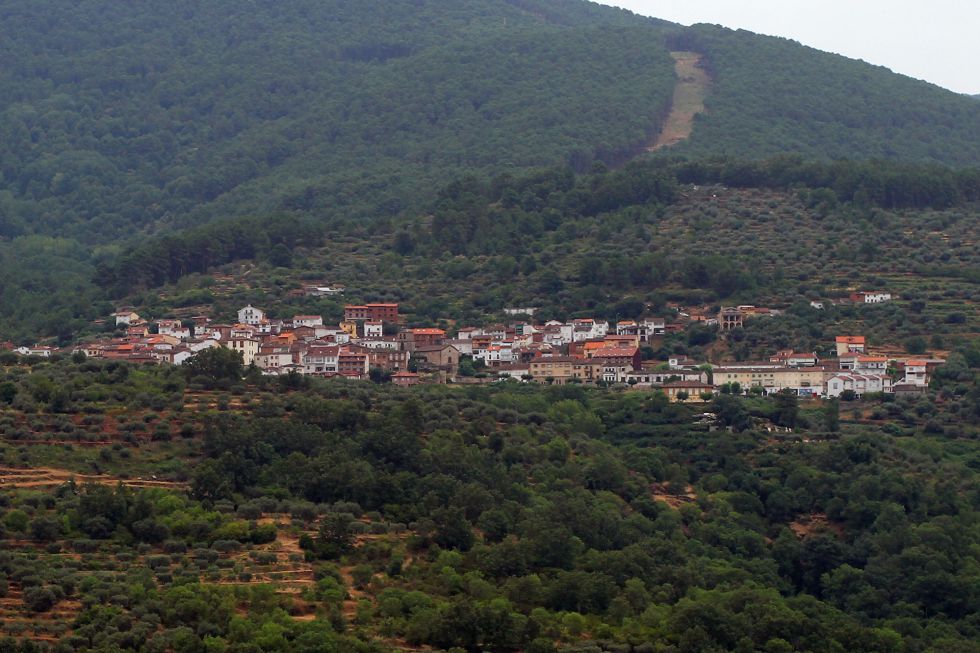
<point>689,94</point>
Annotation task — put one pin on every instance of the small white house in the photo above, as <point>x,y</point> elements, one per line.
<point>521,311</point>
<point>181,356</point>
<point>201,345</point>
<point>373,329</point>
<point>916,373</point>
<point>36,350</point>
<point>307,321</point>
<point>126,317</point>
<point>173,328</point>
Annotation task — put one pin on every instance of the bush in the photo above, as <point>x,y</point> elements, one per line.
<point>39,599</point>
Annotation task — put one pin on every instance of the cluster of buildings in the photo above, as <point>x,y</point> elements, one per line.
<point>583,350</point>
<point>854,370</point>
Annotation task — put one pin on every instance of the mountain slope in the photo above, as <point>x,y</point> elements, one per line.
<point>119,117</point>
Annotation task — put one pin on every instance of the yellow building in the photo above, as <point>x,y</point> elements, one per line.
<point>804,380</point>
<point>247,347</point>
<point>350,328</point>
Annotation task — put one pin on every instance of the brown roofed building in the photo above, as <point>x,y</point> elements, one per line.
<point>371,312</point>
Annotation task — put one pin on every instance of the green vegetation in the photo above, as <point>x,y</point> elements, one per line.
<point>189,158</point>
<point>613,244</point>
<point>120,119</point>
<point>344,516</point>
<point>770,96</point>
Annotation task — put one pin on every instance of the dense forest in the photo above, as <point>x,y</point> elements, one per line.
<point>772,95</point>
<point>505,519</point>
<point>121,118</point>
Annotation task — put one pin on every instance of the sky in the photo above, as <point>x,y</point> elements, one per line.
<point>938,41</point>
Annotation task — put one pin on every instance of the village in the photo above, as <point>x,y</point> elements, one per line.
<point>372,343</point>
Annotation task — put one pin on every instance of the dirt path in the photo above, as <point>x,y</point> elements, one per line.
<point>661,492</point>
<point>14,477</point>
<point>689,94</point>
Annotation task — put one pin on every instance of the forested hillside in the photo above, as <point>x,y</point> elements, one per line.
<point>610,244</point>
<point>118,118</point>
<point>307,516</point>
<point>772,95</point>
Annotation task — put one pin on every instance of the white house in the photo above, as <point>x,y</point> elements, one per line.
<point>37,350</point>
<point>465,347</point>
<point>307,321</point>
<point>860,384</point>
<point>173,328</point>
<point>181,356</point>
<point>872,297</point>
<point>201,345</point>
<point>251,315</point>
<point>338,336</point>
<point>645,329</point>
<point>520,311</point>
<point>373,329</point>
<point>273,359</point>
<point>514,371</point>
<point>324,291</point>
<point>794,358</point>
<point>863,363</point>
<point>126,317</point>
<point>321,360</point>
<point>467,333</point>
<point>589,329</point>
<point>916,373</point>
<point>557,334</point>
<point>497,354</point>
<point>656,326</point>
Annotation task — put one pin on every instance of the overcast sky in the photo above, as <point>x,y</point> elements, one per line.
<point>938,41</point>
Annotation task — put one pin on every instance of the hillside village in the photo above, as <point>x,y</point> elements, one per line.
<point>372,343</point>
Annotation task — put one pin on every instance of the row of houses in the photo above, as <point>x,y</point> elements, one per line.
<point>582,350</point>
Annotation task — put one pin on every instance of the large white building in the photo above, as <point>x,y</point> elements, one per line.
<point>860,384</point>
<point>251,315</point>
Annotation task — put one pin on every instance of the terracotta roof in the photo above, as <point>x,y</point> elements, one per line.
<point>851,340</point>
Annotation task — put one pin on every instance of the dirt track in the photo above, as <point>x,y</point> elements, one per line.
<point>13,477</point>
<point>692,86</point>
